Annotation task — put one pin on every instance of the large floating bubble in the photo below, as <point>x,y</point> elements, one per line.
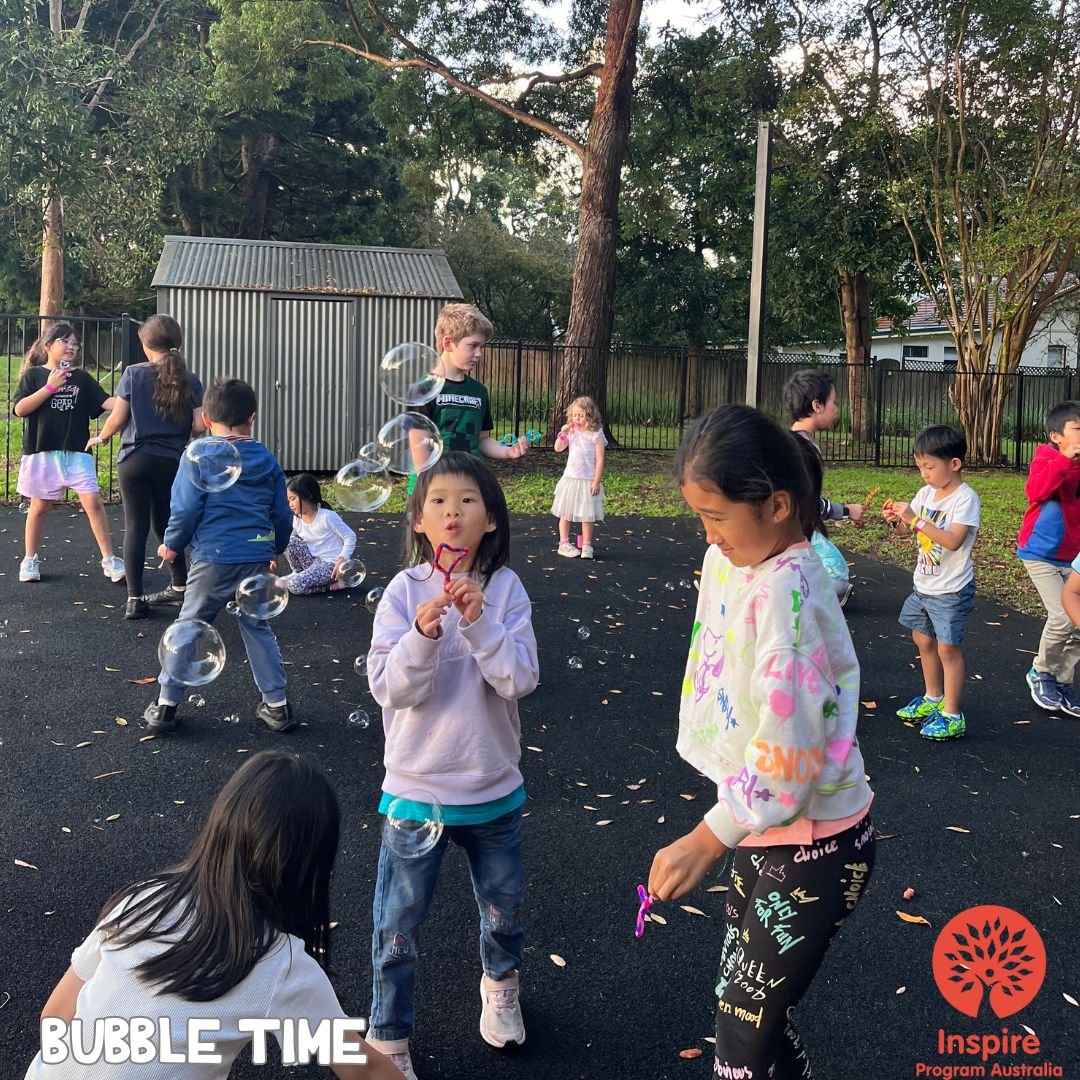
<point>407,374</point>
<point>373,599</point>
<point>191,653</point>
<point>262,596</point>
<point>211,463</point>
<point>352,573</point>
<point>363,485</point>
<point>410,443</point>
<point>414,823</point>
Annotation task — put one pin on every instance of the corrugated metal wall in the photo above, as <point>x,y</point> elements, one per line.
<point>325,351</point>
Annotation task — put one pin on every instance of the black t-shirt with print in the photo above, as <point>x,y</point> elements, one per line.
<point>62,422</point>
<point>461,411</point>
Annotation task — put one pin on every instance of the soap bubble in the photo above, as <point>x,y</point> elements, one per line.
<point>360,666</point>
<point>191,653</point>
<point>351,573</point>
<point>669,585</point>
<point>584,633</point>
<point>262,596</point>
<point>359,718</point>
<point>232,607</point>
<point>414,823</point>
<point>212,463</point>
<point>363,485</point>
<point>373,451</point>
<point>410,442</point>
<point>197,700</point>
<point>232,718</point>
<point>407,374</point>
<point>371,601</point>
<point>683,583</point>
<point>574,662</point>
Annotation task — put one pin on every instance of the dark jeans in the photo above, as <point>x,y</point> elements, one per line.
<point>784,904</point>
<point>145,486</point>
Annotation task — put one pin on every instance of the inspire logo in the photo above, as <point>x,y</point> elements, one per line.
<point>989,957</point>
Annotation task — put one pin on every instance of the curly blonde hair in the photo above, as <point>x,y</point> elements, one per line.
<point>458,321</point>
<point>593,420</point>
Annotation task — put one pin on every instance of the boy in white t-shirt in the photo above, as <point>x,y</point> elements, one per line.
<point>944,516</point>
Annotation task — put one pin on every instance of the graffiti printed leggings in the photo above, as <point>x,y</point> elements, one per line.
<point>310,575</point>
<point>784,904</point>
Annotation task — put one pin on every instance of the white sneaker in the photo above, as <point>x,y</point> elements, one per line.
<point>113,568</point>
<point>501,1024</point>
<point>397,1050</point>
<point>29,569</point>
<point>568,551</point>
<point>586,551</point>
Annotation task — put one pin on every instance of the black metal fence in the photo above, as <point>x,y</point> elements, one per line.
<point>653,391</point>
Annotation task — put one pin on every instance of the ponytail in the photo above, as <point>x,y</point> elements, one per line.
<point>173,397</point>
<point>38,353</point>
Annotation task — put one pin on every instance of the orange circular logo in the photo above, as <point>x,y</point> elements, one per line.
<point>991,957</point>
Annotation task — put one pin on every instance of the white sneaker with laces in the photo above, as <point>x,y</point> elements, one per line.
<point>29,570</point>
<point>501,1024</point>
<point>568,551</point>
<point>397,1050</point>
<point>586,551</point>
<point>113,568</point>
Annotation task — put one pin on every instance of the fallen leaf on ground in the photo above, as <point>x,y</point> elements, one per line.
<point>909,894</point>
<point>28,865</point>
<point>692,910</point>
<point>688,798</point>
<point>913,918</point>
<point>102,776</point>
<point>606,821</point>
<point>653,917</point>
<point>112,817</point>
<point>717,888</point>
<point>956,828</point>
<point>869,704</point>
<point>901,989</point>
<point>121,722</point>
<point>557,960</point>
<point>693,1052</point>
<point>80,745</point>
<point>1068,997</point>
<point>143,682</point>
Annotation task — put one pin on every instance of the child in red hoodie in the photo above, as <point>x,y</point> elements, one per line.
<point>1049,540</point>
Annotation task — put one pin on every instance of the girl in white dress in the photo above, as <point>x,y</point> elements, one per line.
<point>579,495</point>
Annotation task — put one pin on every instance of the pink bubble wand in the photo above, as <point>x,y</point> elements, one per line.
<point>643,910</point>
<point>447,571</point>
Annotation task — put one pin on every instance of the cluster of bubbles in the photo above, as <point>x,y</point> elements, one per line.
<point>584,633</point>
<point>212,463</point>
<point>574,663</point>
<point>414,824</point>
<point>408,442</point>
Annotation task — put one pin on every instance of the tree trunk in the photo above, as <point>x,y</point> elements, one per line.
<point>592,304</point>
<point>695,380</point>
<point>52,259</point>
<point>855,314</point>
<point>257,157</point>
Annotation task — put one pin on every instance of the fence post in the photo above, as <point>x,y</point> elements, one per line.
<point>684,354</point>
<point>125,341</point>
<point>1019,421</point>
<point>517,389</point>
<point>879,406</point>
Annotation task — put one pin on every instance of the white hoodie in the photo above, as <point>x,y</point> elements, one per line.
<point>450,704</point>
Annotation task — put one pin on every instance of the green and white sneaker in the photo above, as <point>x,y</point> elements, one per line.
<point>942,726</point>
<point>919,708</point>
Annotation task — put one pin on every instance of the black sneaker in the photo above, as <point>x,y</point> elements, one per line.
<point>276,717</point>
<point>160,719</point>
<point>169,595</point>
<point>136,608</point>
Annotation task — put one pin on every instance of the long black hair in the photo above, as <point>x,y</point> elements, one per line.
<point>748,457</point>
<point>259,868</point>
<point>306,488</point>
<point>38,353</point>
<point>494,549</point>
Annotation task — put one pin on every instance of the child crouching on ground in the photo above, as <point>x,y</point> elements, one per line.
<point>320,541</point>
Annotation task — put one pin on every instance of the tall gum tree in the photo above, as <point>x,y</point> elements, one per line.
<point>465,46</point>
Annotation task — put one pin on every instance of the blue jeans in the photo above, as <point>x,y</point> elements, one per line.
<point>403,893</point>
<point>210,586</point>
<point>942,616</point>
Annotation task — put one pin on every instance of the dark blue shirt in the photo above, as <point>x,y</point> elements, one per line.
<point>146,428</point>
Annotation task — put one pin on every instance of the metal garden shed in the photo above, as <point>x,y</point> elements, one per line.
<point>306,325</point>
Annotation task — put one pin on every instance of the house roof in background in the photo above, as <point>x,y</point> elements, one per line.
<point>277,266</point>
<point>924,320</point>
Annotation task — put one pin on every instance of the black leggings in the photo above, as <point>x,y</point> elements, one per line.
<point>146,486</point>
<point>784,904</point>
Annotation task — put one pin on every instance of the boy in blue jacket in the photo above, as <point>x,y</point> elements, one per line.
<point>233,534</point>
<point>1049,541</point>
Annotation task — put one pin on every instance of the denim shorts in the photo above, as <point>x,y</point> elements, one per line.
<point>943,617</point>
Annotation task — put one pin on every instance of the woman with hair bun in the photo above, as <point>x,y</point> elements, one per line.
<point>157,411</point>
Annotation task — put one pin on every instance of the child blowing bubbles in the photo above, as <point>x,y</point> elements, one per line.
<point>579,495</point>
<point>238,930</point>
<point>769,708</point>
<point>450,657</point>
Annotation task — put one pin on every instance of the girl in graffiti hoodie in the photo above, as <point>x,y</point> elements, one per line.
<point>769,706</point>
<point>452,651</point>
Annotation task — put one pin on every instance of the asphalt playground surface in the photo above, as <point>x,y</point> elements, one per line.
<point>91,804</point>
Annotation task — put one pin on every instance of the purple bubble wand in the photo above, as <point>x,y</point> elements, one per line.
<point>646,903</point>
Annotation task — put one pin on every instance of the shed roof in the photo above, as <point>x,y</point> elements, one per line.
<point>277,266</point>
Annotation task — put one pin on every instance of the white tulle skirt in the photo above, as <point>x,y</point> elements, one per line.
<point>575,502</point>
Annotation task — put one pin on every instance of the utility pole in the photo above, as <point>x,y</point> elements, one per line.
<point>756,337</point>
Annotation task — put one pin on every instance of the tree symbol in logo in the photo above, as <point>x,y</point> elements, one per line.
<point>990,954</point>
